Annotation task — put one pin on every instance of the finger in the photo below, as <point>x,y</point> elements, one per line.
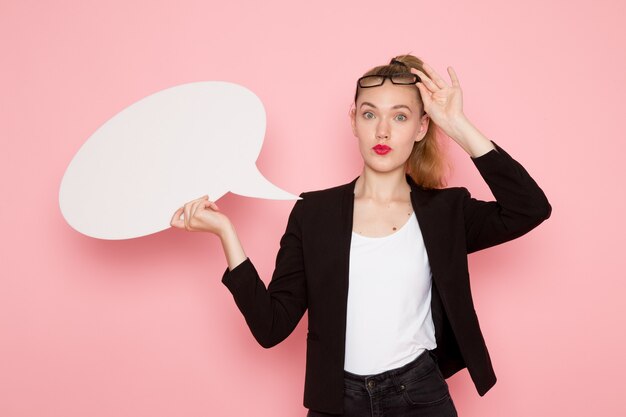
<point>187,215</point>
<point>211,204</point>
<point>176,221</point>
<point>423,90</point>
<point>204,197</point>
<point>426,99</point>
<point>189,211</point>
<point>434,76</point>
<point>455,79</point>
<point>194,207</point>
<point>426,81</point>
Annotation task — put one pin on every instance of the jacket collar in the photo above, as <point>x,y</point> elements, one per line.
<point>349,187</point>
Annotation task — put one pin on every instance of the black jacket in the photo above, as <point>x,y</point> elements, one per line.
<point>312,272</point>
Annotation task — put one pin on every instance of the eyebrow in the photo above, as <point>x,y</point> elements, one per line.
<point>397,106</point>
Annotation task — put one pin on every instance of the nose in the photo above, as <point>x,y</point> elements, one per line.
<point>382,131</point>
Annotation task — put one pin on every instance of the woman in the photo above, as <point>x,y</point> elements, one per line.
<point>385,343</point>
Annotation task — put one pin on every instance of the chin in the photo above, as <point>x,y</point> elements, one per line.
<point>384,168</point>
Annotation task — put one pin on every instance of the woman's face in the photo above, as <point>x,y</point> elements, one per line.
<point>388,115</point>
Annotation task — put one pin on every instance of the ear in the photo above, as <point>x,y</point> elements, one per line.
<point>424,123</point>
<point>353,120</point>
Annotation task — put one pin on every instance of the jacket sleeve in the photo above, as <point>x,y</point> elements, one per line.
<point>272,313</point>
<point>520,204</point>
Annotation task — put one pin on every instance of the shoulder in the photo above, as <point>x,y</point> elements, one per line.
<point>435,195</point>
<point>334,193</point>
<point>318,206</point>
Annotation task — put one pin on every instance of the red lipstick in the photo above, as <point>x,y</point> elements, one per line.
<point>381,149</point>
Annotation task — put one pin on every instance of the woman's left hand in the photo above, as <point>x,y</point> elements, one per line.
<point>442,102</point>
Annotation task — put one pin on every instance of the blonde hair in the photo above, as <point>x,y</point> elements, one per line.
<point>427,164</point>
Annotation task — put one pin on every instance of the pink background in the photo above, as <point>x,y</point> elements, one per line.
<point>145,327</point>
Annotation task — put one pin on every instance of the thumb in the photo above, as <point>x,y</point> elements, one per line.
<point>423,91</point>
<point>425,94</point>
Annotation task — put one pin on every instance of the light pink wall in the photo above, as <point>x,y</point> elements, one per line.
<point>145,327</point>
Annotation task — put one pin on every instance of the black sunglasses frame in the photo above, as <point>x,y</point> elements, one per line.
<point>391,76</point>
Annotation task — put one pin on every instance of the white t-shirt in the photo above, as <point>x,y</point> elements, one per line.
<point>389,321</point>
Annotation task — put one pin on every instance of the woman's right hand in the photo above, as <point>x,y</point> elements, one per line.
<point>201,215</point>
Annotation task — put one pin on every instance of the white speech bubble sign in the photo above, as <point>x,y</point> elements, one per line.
<point>168,148</point>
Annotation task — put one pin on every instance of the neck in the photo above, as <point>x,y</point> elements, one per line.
<point>382,186</point>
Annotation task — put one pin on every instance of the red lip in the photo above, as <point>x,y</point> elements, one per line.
<point>381,149</point>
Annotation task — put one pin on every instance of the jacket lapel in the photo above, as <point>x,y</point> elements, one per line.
<point>346,217</point>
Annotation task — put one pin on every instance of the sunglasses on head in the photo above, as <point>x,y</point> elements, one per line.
<point>400,78</point>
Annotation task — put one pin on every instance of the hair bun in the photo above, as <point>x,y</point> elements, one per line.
<point>395,61</point>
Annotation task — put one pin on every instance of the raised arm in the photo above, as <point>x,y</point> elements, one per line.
<point>520,204</point>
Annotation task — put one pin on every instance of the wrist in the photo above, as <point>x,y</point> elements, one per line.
<point>461,128</point>
<point>468,137</point>
<point>227,231</point>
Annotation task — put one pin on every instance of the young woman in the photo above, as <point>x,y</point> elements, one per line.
<point>380,263</point>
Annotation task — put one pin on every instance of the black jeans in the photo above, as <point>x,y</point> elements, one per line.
<point>415,389</point>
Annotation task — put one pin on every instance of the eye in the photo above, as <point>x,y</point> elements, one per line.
<point>366,113</point>
<point>404,117</point>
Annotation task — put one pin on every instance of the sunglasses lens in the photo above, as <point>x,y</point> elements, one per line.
<point>404,78</point>
<point>371,81</point>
